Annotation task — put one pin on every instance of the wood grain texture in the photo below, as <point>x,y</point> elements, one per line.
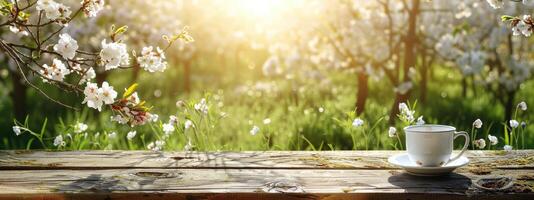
<point>247,175</point>
<point>240,160</point>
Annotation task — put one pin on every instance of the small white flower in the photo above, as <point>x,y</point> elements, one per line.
<point>202,106</point>
<point>18,31</point>
<point>173,120</point>
<point>271,66</point>
<point>113,55</point>
<point>154,117</point>
<point>321,109</point>
<point>514,123</point>
<point>420,121</point>
<point>507,147</point>
<point>66,46</point>
<point>266,121</point>
<point>522,106</point>
<point>168,128</point>
<point>357,122</point>
<point>188,146</point>
<point>80,127</point>
<point>493,140</point>
<point>58,141</point>
<point>188,124</point>
<point>403,107</point>
<point>131,135</point>
<point>112,135</point>
<point>406,113</point>
<point>119,119</point>
<point>477,123</point>
<point>480,143</point>
<point>17,131</point>
<point>392,132</point>
<point>254,130</point>
<point>156,146</point>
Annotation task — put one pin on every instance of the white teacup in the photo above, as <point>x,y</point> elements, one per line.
<point>431,145</point>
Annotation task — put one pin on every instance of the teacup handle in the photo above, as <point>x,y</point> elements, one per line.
<point>456,134</point>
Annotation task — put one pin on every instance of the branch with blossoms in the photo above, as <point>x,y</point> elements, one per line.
<point>520,25</point>
<point>72,69</point>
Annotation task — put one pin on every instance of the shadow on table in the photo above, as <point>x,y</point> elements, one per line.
<point>93,183</point>
<point>449,183</point>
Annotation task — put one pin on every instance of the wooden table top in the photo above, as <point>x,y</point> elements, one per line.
<point>250,175</point>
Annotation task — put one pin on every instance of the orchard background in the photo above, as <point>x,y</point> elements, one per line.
<point>262,75</point>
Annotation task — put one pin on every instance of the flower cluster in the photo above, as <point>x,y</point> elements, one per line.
<point>96,97</point>
<point>113,55</point>
<point>202,106</point>
<point>156,146</point>
<point>92,7</point>
<point>169,127</point>
<point>54,11</point>
<point>130,110</point>
<point>57,71</point>
<point>152,61</point>
<point>522,26</point>
<point>496,4</point>
<point>406,114</point>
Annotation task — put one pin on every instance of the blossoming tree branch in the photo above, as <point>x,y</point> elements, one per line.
<point>43,50</point>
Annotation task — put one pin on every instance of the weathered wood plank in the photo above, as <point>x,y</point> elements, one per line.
<point>239,160</point>
<point>246,175</point>
<point>265,183</point>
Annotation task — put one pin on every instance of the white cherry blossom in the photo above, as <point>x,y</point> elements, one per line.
<point>54,11</point>
<point>152,61</point>
<point>114,54</point>
<point>57,71</point>
<point>92,7</point>
<point>66,46</point>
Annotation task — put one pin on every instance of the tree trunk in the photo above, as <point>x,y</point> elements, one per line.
<point>18,96</point>
<point>187,76</point>
<point>409,58</point>
<point>424,79</point>
<point>363,90</point>
<point>509,106</point>
<point>464,87</point>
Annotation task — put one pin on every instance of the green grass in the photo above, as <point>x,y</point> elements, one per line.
<point>293,106</point>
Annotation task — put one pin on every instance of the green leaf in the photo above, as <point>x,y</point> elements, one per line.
<point>130,90</point>
<point>507,18</point>
<point>29,144</point>
<point>121,30</point>
<point>43,128</point>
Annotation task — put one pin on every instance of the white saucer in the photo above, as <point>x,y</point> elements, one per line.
<point>402,160</point>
